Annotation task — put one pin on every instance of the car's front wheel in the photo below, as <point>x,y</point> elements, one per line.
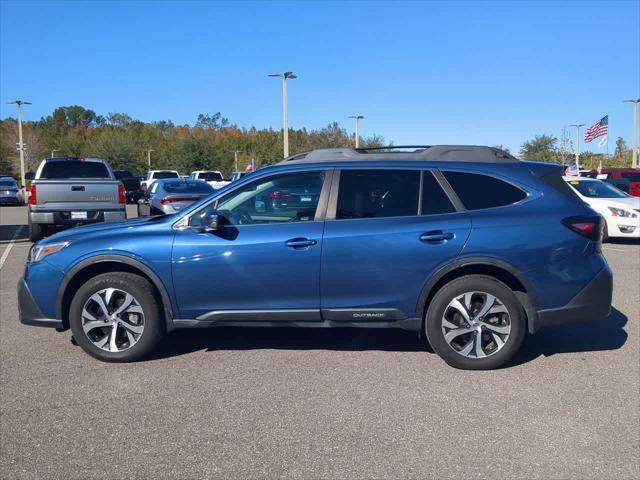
<point>115,317</point>
<point>475,322</point>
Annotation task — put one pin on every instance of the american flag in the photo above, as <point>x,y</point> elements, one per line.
<point>572,170</point>
<point>598,129</point>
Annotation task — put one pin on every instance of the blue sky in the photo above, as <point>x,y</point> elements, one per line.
<point>431,72</point>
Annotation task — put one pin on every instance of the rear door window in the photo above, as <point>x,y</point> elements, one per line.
<point>478,191</point>
<point>378,193</point>
<point>434,199</point>
<point>74,169</point>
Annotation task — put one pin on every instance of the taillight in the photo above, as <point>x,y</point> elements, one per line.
<point>589,227</point>
<point>122,194</point>
<point>32,195</point>
<point>166,200</point>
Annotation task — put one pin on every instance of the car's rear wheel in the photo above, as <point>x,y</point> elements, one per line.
<point>475,322</point>
<point>115,317</point>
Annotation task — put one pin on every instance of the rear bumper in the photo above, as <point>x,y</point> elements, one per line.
<point>63,218</point>
<point>29,312</point>
<point>593,302</point>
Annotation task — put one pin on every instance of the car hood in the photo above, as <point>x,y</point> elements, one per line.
<point>87,230</point>
<point>627,203</point>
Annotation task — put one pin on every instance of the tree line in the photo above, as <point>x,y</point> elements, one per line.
<point>209,144</point>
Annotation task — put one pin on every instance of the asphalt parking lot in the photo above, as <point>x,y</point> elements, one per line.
<point>239,403</point>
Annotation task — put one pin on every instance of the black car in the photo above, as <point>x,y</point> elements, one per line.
<point>131,185</point>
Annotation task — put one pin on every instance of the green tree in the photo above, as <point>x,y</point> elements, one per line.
<point>542,148</point>
<point>621,147</point>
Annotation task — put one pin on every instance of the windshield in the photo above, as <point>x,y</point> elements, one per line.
<point>597,189</point>
<point>210,176</point>
<point>188,187</point>
<point>165,175</point>
<point>74,169</point>
<point>8,183</point>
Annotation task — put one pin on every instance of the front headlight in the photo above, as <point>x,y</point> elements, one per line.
<point>619,212</point>
<point>40,252</point>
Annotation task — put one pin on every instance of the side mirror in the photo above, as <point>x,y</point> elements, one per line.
<point>208,223</point>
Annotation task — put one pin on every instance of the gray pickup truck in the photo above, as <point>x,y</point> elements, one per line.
<point>67,192</point>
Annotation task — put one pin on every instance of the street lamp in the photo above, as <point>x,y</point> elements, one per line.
<point>284,76</point>
<point>357,118</point>
<point>235,159</point>
<point>54,151</point>
<point>577,144</point>
<point>18,104</point>
<point>149,156</point>
<point>634,157</point>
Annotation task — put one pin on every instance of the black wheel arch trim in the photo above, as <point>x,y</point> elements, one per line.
<point>131,262</point>
<point>528,299</point>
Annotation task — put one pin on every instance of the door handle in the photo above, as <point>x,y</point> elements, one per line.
<point>300,243</point>
<point>437,236</point>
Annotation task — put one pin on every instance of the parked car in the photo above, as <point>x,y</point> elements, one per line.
<point>626,179</point>
<point>620,210</point>
<point>212,177</point>
<point>10,193</point>
<point>153,175</point>
<point>168,196</point>
<point>467,246</point>
<point>67,192</point>
<point>131,185</point>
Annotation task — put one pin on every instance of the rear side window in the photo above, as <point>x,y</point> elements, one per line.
<point>378,193</point>
<point>74,169</point>
<point>434,200</point>
<point>634,177</point>
<point>478,191</point>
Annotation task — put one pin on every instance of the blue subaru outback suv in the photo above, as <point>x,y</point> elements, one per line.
<point>466,245</point>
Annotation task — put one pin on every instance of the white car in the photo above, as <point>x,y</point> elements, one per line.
<point>153,175</point>
<point>212,177</point>
<point>620,210</point>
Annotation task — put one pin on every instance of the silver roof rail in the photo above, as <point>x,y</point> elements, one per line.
<point>448,153</point>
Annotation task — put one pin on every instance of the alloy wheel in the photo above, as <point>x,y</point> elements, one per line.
<point>476,324</point>
<point>112,319</point>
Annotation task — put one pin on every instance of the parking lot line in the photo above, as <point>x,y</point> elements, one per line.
<point>5,254</point>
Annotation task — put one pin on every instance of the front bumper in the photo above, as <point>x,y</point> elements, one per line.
<point>29,312</point>
<point>10,200</point>
<point>593,302</point>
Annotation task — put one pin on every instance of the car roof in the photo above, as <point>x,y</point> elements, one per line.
<point>75,159</point>
<point>449,153</point>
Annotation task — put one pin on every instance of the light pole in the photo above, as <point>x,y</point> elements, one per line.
<point>54,151</point>
<point>18,104</point>
<point>577,144</point>
<point>149,156</point>
<point>284,76</point>
<point>357,118</point>
<point>634,157</point>
<point>235,159</point>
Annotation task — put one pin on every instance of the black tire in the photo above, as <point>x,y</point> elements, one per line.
<point>144,293</point>
<point>475,283</point>
<point>36,232</point>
